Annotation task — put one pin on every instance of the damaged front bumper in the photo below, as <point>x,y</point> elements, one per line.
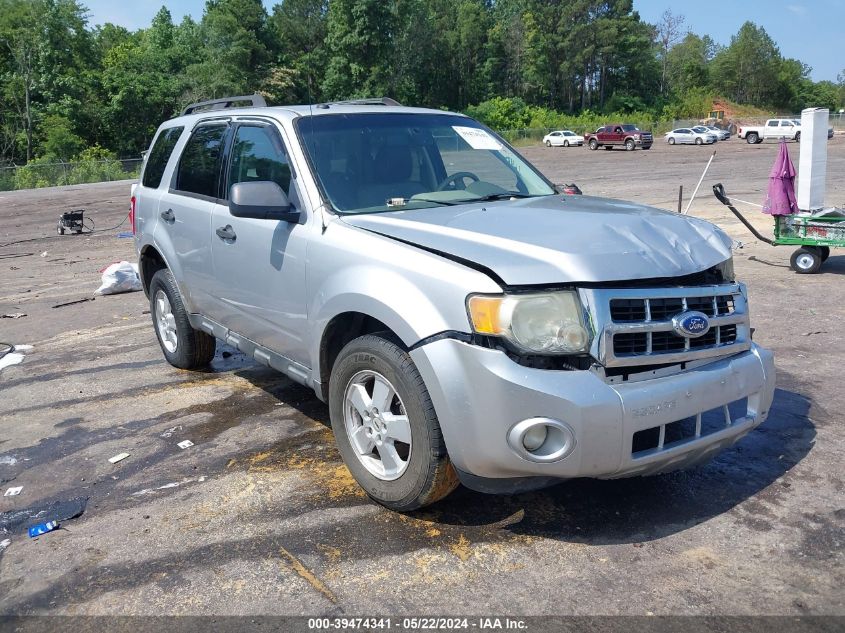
<point>617,430</point>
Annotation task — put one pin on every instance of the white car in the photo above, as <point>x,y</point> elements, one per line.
<point>690,135</point>
<point>562,138</point>
<point>722,135</point>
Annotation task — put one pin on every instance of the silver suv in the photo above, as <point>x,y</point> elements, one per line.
<point>463,320</point>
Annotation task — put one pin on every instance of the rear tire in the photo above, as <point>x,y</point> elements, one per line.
<point>182,345</point>
<point>806,260</point>
<point>825,250</point>
<point>752,138</point>
<point>593,144</point>
<point>412,474</point>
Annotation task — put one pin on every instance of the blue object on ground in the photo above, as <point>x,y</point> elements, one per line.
<point>125,234</point>
<point>42,528</point>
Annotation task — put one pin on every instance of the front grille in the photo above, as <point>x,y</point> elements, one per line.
<point>663,309</point>
<point>636,324</point>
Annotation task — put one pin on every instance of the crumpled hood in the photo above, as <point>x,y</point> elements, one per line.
<point>560,239</point>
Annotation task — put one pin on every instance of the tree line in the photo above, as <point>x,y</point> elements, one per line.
<point>68,86</point>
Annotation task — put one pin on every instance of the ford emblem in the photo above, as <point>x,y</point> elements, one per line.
<point>691,324</point>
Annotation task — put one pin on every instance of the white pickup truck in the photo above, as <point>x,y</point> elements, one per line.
<point>790,129</point>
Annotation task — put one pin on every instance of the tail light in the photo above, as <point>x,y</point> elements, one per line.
<point>132,214</point>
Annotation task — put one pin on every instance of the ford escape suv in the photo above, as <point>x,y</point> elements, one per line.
<point>464,321</point>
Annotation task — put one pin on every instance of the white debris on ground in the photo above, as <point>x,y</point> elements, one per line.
<point>15,356</point>
<point>119,277</point>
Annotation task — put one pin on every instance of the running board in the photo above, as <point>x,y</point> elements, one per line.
<point>293,370</point>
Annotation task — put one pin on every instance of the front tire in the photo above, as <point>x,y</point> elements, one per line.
<point>630,145</point>
<point>385,425</point>
<point>548,143</point>
<point>671,141</point>
<point>566,143</point>
<point>182,345</point>
<point>698,141</point>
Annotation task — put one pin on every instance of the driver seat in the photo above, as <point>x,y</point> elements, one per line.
<point>392,169</point>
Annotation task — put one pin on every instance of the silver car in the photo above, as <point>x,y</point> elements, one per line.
<point>696,136</point>
<point>463,320</point>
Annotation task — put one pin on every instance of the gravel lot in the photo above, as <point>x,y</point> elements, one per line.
<point>261,517</point>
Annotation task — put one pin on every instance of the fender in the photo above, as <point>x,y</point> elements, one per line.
<point>147,242</point>
<point>385,295</point>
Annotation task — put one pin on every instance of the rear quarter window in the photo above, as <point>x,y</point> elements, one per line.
<point>159,155</point>
<point>199,165</point>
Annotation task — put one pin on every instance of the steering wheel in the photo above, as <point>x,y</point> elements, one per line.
<point>454,179</point>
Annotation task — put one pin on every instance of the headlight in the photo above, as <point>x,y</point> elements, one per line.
<point>542,323</point>
<point>727,270</point>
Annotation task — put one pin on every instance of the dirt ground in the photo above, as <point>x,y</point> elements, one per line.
<point>259,516</point>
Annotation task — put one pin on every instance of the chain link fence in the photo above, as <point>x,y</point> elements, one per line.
<point>38,174</point>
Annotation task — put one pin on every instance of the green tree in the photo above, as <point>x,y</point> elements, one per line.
<point>745,70</point>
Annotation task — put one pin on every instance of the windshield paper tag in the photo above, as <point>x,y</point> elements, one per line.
<point>477,139</point>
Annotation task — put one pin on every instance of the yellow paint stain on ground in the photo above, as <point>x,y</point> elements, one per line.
<point>461,548</point>
<point>333,554</point>
<point>335,478</point>
<point>702,555</point>
<point>432,532</point>
<point>291,561</point>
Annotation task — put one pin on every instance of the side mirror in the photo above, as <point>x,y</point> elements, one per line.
<point>261,200</point>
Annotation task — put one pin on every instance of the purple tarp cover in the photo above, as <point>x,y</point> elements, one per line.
<point>780,199</point>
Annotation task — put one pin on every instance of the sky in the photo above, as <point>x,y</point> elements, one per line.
<point>808,30</point>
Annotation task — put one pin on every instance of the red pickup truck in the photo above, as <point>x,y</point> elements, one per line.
<point>624,135</point>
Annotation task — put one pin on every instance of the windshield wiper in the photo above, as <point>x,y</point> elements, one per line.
<point>501,196</point>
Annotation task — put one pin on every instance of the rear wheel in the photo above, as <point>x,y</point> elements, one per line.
<point>630,145</point>
<point>825,250</point>
<point>752,138</point>
<point>798,136</point>
<point>593,144</point>
<point>182,345</point>
<point>806,260</point>
<point>385,425</point>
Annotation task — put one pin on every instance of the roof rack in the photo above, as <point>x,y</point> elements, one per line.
<point>255,100</point>
<point>385,101</point>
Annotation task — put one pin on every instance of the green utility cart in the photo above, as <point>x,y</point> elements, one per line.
<point>814,235</point>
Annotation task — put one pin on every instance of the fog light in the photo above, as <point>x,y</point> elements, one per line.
<point>542,440</point>
<point>534,437</point>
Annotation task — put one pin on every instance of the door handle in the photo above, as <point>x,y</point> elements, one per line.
<point>168,216</point>
<point>226,233</point>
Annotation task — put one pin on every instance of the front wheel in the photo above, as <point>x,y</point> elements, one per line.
<point>671,141</point>
<point>385,425</point>
<point>798,136</point>
<point>698,141</point>
<point>566,143</point>
<point>548,143</point>
<point>182,345</point>
<point>806,260</point>
<point>630,145</point>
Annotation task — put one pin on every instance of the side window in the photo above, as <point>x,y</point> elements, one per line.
<point>258,154</point>
<point>773,123</point>
<point>199,165</point>
<point>159,155</point>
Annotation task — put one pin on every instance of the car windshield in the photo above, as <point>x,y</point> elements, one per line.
<point>374,162</point>
<point>630,128</point>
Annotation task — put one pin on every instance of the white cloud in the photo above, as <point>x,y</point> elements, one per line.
<point>797,9</point>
